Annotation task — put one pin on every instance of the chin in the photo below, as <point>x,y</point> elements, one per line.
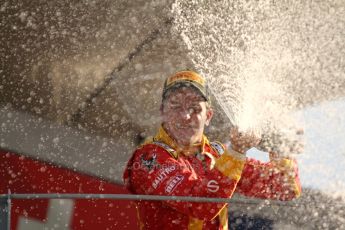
<point>193,141</point>
<point>186,142</point>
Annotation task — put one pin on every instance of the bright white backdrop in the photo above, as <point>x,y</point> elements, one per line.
<point>322,164</point>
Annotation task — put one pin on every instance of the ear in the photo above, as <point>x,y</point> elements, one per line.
<point>209,115</point>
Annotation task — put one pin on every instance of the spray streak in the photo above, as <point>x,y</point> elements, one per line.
<point>263,59</point>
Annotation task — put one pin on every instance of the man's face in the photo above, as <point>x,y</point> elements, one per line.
<point>185,114</point>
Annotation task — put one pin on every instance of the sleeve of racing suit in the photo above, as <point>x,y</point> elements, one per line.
<point>171,177</point>
<point>273,180</point>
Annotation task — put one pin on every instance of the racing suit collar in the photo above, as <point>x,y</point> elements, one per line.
<point>163,136</point>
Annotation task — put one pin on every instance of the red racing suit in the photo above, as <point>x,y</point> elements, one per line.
<point>159,168</point>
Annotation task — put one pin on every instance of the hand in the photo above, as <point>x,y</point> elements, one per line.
<point>242,141</point>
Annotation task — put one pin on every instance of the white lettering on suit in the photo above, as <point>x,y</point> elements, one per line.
<point>163,174</point>
<point>173,183</point>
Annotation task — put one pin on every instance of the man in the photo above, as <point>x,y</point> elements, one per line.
<point>181,161</point>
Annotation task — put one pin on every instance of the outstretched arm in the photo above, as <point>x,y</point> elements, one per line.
<point>277,179</point>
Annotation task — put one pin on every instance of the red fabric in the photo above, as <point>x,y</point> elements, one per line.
<point>192,176</point>
<point>264,180</point>
<point>258,180</point>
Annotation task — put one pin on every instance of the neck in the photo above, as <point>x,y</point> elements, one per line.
<point>188,149</point>
<point>180,144</point>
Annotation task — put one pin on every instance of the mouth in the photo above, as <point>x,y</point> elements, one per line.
<point>179,126</point>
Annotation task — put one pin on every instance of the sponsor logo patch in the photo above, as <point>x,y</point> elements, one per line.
<point>149,162</point>
<point>218,147</point>
<point>212,186</point>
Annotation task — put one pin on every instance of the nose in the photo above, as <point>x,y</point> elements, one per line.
<point>186,114</point>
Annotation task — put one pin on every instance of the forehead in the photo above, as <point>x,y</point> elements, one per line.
<point>184,93</point>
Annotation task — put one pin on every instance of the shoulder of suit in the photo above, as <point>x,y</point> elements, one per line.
<point>151,145</point>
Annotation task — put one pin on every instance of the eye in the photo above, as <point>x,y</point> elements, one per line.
<point>191,110</point>
<point>195,109</point>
